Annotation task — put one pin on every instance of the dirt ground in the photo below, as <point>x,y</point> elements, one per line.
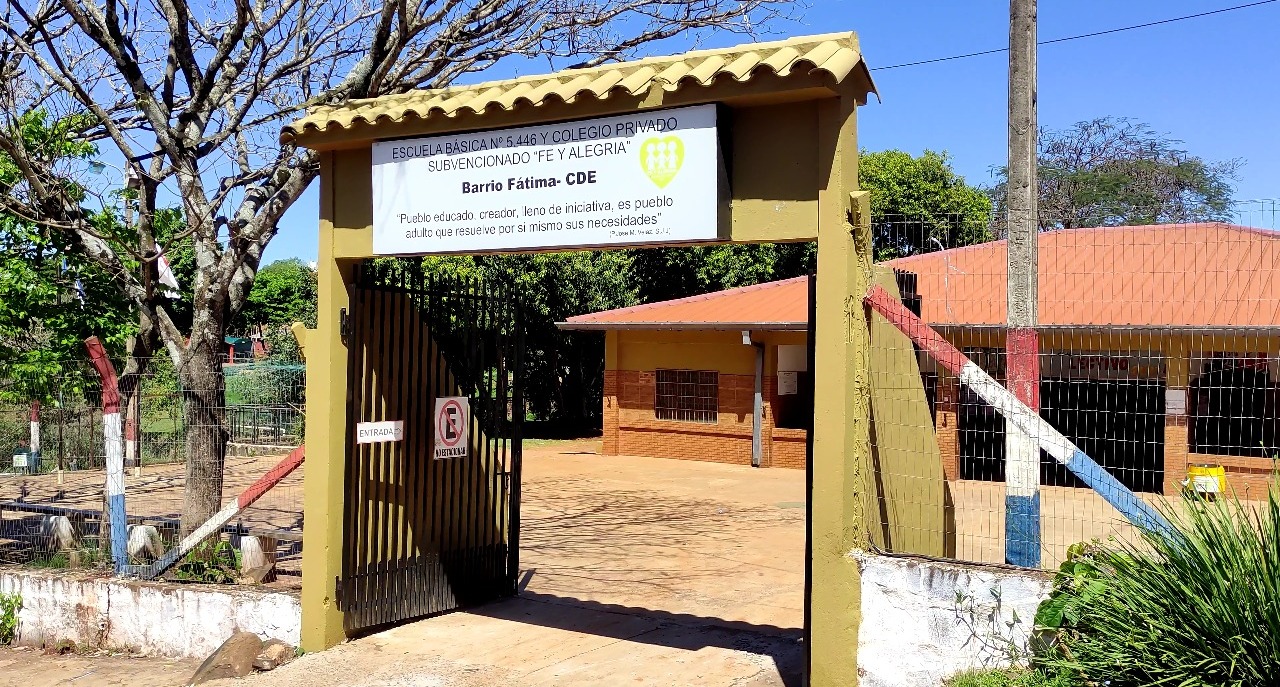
<point>157,493</point>
<point>662,571</point>
<point>29,668</point>
<point>652,571</point>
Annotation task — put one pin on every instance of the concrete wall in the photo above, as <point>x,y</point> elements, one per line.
<point>921,632</point>
<point>156,619</point>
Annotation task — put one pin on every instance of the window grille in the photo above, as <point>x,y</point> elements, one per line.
<point>687,395</point>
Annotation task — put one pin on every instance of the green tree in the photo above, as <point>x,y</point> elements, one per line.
<point>284,292</point>
<point>920,203</point>
<point>51,298</point>
<point>565,370</point>
<point>1114,171</point>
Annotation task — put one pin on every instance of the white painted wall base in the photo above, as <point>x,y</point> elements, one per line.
<point>916,631</point>
<point>157,619</point>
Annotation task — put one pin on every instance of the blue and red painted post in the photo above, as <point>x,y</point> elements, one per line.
<point>1022,452</point>
<point>114,448</point>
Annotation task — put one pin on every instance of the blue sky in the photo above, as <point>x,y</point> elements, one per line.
<point>1210,82</point>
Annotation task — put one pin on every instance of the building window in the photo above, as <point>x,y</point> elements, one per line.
<point>1234,407</point>
<point>688,395</point>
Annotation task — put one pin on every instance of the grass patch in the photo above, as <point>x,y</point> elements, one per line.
<point>1005,677</point>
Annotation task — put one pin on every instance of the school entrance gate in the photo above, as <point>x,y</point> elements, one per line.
<point>750,144</point>
<point>432,490</point>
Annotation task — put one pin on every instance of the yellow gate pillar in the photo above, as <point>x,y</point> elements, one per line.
<point>326,432</point>
<point>841,458</point>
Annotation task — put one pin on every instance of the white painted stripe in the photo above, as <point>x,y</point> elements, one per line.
<point>1017,412</point>
<point>115,459</point>
<point>35,436</point>
<point>115,489</point>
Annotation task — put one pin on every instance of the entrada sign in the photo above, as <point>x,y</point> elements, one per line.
<point>646,177</point>
<point>377,432</point>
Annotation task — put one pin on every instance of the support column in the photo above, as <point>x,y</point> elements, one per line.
<point>946,422</point>
<point>1022,452</point>
<point>841,438</point>
<point>325,437</point>
<point>1176,435</point>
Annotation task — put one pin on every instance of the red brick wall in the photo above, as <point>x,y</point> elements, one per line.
<point>1248,477</point>
<point>789,448</point>
<point>631,428</point>
<point>610,433</point>
<point>946,425</point>
<point>638,432</point>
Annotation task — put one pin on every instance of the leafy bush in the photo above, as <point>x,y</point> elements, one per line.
<point>216,564</point>
<point>1201,607</point>
<point>10,604</point>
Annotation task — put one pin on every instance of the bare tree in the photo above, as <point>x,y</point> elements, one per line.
<point>188,98</point>
<point>1113,170</point>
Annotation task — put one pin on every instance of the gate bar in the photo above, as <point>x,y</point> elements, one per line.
<point>1134,509</point>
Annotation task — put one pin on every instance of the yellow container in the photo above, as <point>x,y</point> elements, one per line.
<point>1206,479</point>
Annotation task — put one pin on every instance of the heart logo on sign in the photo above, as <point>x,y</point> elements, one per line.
<point>661,159</point>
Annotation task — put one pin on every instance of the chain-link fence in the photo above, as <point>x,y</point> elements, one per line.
<point>51,500</point>
<point>1155,367</point>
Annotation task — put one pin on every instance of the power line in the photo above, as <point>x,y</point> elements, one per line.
<point>1078,37</point>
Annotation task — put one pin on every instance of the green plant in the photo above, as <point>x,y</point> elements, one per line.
<point>1006,677</point>
<point>1197,607</point>
<point>10,604</point>
<point>999,638</point>
<point>1077,583</point>
<point>216,564</point>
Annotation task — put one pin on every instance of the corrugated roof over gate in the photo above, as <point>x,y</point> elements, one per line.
<point>835,55</point>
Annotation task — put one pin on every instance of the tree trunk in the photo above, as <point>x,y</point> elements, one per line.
<point>204,411</point>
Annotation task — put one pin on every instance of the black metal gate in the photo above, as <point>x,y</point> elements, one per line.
<point>424,536</point>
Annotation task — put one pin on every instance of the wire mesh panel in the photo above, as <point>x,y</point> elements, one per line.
<point>428,531</point>
<point>1157,361</point>
<point>51,500</point>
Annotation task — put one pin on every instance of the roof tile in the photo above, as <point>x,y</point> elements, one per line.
<point>835,55</point>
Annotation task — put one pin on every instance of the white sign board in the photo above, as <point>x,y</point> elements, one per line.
<point>788,383</point>
<point>377,432</point>
<point>645,177</point>
<point>452,422</point>
<point>793,358</point>
<point>1175,401</point>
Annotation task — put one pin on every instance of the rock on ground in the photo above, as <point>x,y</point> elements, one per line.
<point>235,658</point>
<point>274,653</point>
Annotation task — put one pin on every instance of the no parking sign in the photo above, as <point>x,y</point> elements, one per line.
<point>452,425</point>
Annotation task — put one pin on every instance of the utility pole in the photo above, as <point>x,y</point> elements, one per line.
<point>1022,346</point>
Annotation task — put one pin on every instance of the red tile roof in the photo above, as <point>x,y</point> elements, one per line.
<point>1172,275</point>
<point>1187,275</point>
<point>773,305</point>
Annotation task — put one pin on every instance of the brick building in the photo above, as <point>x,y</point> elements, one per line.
<point>681,376</point>
<point>1160,348</point>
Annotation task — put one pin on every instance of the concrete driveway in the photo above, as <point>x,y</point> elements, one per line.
<point>640,571</point>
